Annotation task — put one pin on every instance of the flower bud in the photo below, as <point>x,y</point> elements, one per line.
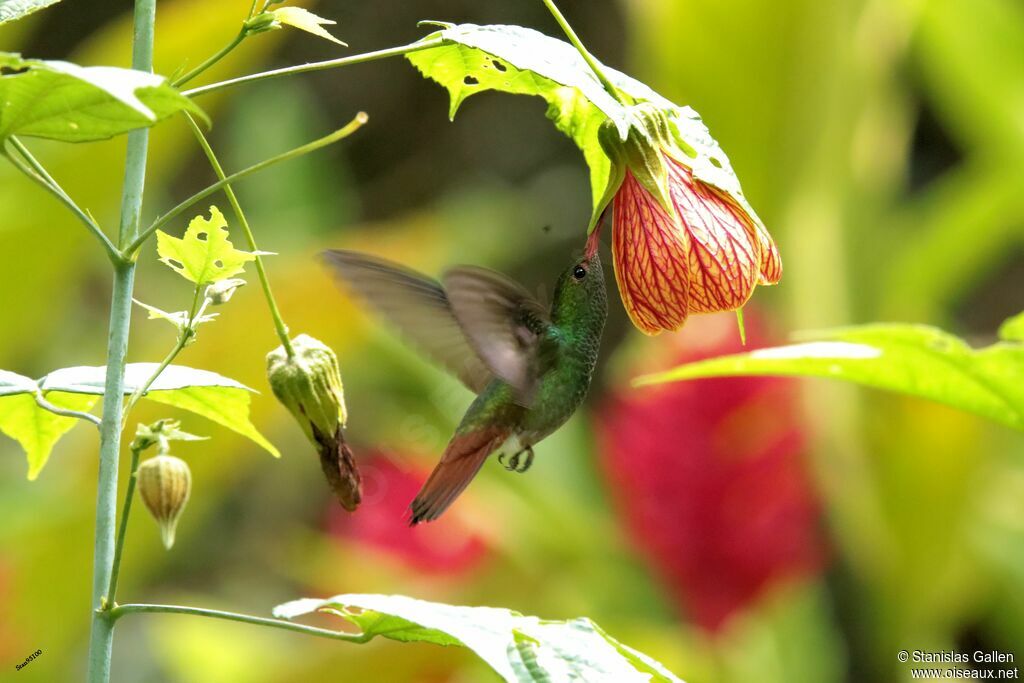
<point>261,23</point>
<point>308,383</point>
<point>165,483</point>
<point>220,292</point>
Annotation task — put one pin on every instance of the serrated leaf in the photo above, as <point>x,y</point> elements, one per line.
<point>215,397</point>
<point>304,20</point>
<point>205,253</point>
<point>178,318</point>
<point>521,649</point>
<point>64,101</point>
<point>522,61</point>
<point>915,360</point>
<point>10,10</point>
<point>36,429</point>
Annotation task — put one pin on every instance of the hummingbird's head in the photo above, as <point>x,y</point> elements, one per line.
<point>580,292</point>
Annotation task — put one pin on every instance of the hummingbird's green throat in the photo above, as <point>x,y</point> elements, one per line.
<point>529,367</point>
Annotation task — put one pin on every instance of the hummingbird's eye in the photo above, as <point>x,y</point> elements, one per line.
<point>579,272</point>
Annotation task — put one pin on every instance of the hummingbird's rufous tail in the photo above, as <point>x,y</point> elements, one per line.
<point>461,461</point>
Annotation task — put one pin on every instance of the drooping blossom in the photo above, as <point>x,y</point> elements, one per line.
<point>710,480</point>
<point>681,243</point>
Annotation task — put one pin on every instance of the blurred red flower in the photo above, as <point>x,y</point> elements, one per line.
<point>709,477</point>
<point>382,522</point>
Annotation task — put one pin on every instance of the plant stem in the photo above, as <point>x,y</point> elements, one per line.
<point>122,528</point>
<point>213,59</point>
<point>318,66</point>
<point>37,173</point>
<point>102,634</point>
<point>594,65</point>
<point>66,412</point>
<point>121,610</point>
<point>131,250</point>
<point>268,294</point>
<point>185,334</point>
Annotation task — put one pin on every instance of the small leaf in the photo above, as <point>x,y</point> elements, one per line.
<point>521,649</point>
<point>1012,329</point>
<point>910,359</point>
<point>179,318</point>
<point>36,429</point>
<point>11,10</point>
<point>304,20</point>
<point>64,101</point>
<point>204,254</point>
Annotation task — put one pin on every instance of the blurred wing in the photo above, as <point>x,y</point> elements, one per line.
<point>504,324</point>
<point>417,306</point>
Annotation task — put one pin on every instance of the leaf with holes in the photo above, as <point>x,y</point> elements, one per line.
<point>64,101</point>
<point>304,20</point>
<point>910,359</point>
<point>522,61</point>
<point>11,10</point>
<point>521,649</point>
<point>204,254</point>
<point>36,429</point>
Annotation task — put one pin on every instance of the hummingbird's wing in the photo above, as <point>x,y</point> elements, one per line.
<point>417,306</point>
<point>504,324</point>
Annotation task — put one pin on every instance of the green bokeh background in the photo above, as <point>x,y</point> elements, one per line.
<point>882,142</point>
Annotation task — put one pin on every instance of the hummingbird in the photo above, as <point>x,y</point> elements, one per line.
<point>529,366</point>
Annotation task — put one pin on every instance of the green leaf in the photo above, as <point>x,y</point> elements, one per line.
<point>64,101</point>
<point>13,383</point>
<point>304,20</point>
<point>519,648</point>
<point>178,318</point>
<point>910,359</point>
<point>226,406</point>
<point>522,61</point>
<point>204,254</point>
<point>215,397</point>
<point>1013,328</point>
<point>11,10</point>
<point>36,429</point>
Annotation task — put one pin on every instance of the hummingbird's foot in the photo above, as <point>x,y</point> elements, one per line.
<point>514,463</point>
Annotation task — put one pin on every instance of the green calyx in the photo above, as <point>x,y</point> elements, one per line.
<point>165,483</point>
<point>309,385</point>
<point>642,153</point>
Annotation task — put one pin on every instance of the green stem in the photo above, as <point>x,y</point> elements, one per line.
<point>122,528</point>
<point>65,412</point>
<point>213,59</point>
<point>132,249</point>
<point>318,66</point>
<point>121,610</point>
<point>594,65</point>
<point>268,294</point>
<point>36,172</point>
<point>101,638</point>
<point>186,333</point>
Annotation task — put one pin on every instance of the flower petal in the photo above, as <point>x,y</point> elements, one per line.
<point>724,251</point>
<point>771,262</point>
<point>650,255</point>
